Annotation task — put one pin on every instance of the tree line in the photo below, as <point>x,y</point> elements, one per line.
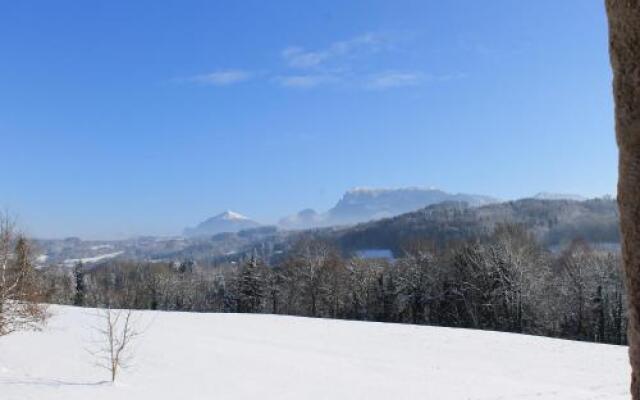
<point>503,281</point>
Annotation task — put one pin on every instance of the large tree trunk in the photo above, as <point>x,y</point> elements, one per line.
<point>624,49</point>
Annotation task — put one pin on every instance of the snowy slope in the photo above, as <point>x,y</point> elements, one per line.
<point>90,260</point>
<point>229,356</point>
<point>228,221</point>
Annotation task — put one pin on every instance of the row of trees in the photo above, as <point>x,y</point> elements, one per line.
<point>504,281</point>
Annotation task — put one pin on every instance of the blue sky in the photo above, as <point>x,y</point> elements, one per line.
<point>120,118</point>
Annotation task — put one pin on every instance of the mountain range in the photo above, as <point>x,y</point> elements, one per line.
<point>356,206</point>
<point>366,204</point>
<point>555,223</point>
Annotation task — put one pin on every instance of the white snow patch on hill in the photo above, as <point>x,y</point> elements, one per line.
<point>231,215</point>
<point>101,247</point>
<point>231,356</point>
<point>88,260</point>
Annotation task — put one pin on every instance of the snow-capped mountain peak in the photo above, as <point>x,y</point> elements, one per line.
<point>228,221</point>
<point>230,216</point>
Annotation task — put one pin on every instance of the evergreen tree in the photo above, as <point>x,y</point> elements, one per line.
<point>251,287</point>
<point>78,275</point>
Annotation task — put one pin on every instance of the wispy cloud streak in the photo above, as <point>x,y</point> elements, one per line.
<point>394,79</point>
<point>299,57</point>
<point>222,78</point>
<point>305,81</point>
<point>345,63</point>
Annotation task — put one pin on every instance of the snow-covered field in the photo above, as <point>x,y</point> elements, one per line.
<point>88,260</point>
<point>187,356</point>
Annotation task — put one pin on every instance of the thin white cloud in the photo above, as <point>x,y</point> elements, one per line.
<point>305,81</point>
<point>223,78</point>
<point>398,79</point>
<point>342,63</point>
<point>394,79</point>
<point>299,57</point>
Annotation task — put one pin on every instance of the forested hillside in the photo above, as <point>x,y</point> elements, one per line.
<point>552,222</point>
<point>505,280</point>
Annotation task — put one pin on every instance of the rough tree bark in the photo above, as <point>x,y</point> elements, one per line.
<point>624,50</point>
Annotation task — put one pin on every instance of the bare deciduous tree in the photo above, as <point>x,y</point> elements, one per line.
<point>310,259</point>
<point>117,332</point>
<point>19,307</point>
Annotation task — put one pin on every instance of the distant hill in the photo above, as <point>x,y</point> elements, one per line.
<point>364,204</point>
<point>553,222</point>
<point>228,221</point>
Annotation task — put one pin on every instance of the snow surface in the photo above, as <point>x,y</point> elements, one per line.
<point>101,247</point>
<point>559,196</point>
<point>88,260</point>
<point>231,215</point>
<point>232,356</point>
